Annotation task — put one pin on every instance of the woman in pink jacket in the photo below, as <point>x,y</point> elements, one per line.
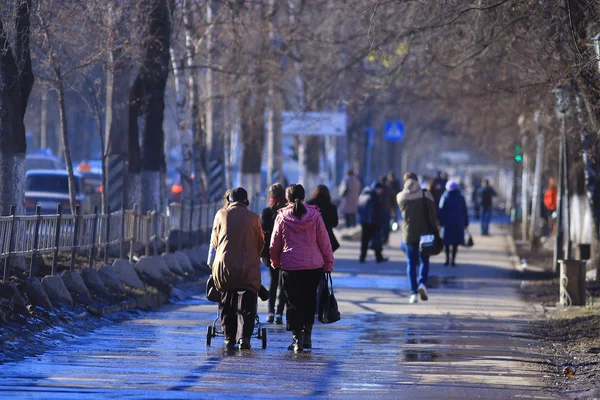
<point>300,246</point>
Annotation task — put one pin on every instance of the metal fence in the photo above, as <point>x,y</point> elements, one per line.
<point>120,232</point>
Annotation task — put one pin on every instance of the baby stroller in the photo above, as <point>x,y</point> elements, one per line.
<point>213,331</point>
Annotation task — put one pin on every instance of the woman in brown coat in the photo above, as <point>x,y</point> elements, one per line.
<point>238,239</point>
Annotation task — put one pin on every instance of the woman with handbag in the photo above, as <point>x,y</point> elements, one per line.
<point>301,247</point>
<point>267,221</point>
<point>454,218</point>
<point>419,218</point>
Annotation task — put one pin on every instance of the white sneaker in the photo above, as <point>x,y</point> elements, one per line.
<point>423,292</point>
<point>412,299</point>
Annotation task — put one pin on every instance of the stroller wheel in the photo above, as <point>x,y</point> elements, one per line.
<point>209,335</point>
<point>264,337</point>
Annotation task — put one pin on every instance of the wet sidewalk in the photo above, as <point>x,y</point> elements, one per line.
<point>468,341</point>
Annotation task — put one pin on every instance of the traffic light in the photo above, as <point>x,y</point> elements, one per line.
<point>518,154</point>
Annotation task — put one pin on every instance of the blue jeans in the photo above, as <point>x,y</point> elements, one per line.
<point>414,260</point>
<point>486,218</point>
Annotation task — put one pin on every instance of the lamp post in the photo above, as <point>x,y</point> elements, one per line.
<point>562,94</point>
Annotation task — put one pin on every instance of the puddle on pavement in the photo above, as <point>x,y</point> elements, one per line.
<point>420,355</point>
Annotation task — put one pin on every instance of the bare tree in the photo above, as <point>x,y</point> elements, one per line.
<point>16,82</point>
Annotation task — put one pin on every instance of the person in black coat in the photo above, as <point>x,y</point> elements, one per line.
<point>321,198</point>
<point>267,221</point>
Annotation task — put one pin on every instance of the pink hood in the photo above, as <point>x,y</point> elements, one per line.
<point>298,244</point>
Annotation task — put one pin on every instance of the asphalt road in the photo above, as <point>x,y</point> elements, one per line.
<point>468,341</point>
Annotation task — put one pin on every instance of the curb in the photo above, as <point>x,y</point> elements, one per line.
<point>513,256</point>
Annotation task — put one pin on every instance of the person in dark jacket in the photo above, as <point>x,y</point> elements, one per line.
<point>388,209</point>
<point>486,197</point>
<point>370,217</point>
<point>267,221</point>
<point>321,198</point>
<point>454,218</point>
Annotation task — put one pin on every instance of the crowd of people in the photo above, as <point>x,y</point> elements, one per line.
<point>436,204</point>
<point>294,238</point>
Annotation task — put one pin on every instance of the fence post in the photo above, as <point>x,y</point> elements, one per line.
<point>147,235</point>
<point>36,237</point>
<point>191,241</point>
<point>56,239</point>
<point>133,233</point>
<point>155,216</point>
<point>106,235</point>
<point>94,233</point>
<point>167,229</point>
<point>10,244</point>
<point>181,220</point>
<point>75,238</point>
<point>122,238</point>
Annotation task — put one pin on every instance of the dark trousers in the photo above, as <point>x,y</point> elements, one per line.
<point>454,251</point>
<point>385,228</point>
<point>273,286</point>
<point>238,313</point>
<point>350,220</point>
<point>370,232</point>
<point>486,218</point>
<point>301,291</point>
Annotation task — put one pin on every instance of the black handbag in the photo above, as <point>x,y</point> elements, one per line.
<point>469,242</point>
<point>212,294</point>
<point>328,307</point>
<point>430,244</point>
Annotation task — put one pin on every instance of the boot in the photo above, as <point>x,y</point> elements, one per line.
<point>297,345</point>
<point>308,336</point>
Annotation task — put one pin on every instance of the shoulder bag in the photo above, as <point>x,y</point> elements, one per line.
<point>430,244</point>
<point>328,307</point>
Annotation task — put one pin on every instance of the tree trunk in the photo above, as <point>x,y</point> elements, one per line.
<point>534,234</point>
<point>252,110</point>
<point>116,120</point>
<point>147,97</point>
<point>44,120</point>
<point>65,141</point>
<point>183,120</point>
<point>16,82</point>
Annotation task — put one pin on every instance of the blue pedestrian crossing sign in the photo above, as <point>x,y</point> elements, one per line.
<point>394,131</point>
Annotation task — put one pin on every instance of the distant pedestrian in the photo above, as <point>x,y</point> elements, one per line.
<point>350,190</point>
<point>388,209</point>
<point>476,183</point>
<point>419,217</point>
<point>437,187</point>
<point>301,247</point>
<point>486,196</point>
<point>454,218</point>
<point>370,218</point>
<point>267,221</point>
<point>550,202</point>
<point>238,239</point>
<point>394,184</point>
<point>321,198</point>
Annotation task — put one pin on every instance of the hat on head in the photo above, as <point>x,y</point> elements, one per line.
<point>376,185</point>
<point>452,185</point>
<point>238,195</point>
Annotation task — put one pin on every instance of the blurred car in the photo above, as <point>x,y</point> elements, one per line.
<point>48,188</point>
<point>42,162</point>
